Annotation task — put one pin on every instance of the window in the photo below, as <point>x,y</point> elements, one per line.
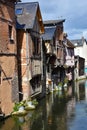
<point>10,32</point>
<point>19,11</point>
<point>48,69</point>
<point>36,46</point>
<point>71,52</point>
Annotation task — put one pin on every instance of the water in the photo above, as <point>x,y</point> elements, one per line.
<point>55,112</point>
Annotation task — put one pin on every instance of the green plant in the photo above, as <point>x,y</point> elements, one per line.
<point>66,80</point>
<point>60,84</point>
<point>18,105</point>
<point>35,102</point>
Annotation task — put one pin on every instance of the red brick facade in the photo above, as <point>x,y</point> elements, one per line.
<point>8,57</point>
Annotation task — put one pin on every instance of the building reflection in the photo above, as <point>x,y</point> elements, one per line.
<point>81,89</point>
<point>86,90</point>
<point>55,112</point>
<point>71,108</point>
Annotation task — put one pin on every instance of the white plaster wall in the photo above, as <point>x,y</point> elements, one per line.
<point>82,52</point>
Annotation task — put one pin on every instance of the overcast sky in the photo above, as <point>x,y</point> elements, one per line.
<point>73,11</point>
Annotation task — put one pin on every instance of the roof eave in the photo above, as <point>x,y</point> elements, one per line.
<point>53,22</point>
<point>40,20</point>
<point>70,44</point>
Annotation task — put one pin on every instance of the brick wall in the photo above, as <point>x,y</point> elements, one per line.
<point>8,59</point>
<point>7,18</point>
<point>23,66</point>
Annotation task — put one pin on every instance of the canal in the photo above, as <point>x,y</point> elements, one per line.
<point>55,112</point>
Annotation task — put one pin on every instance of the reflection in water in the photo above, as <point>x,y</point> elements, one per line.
<point>71,108</point>
<point>86,90</point>
<point>80,89</point>
<point>55,112</point>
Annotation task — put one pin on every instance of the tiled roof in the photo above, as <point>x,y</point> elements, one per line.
<point>53,22</point>
<point>26,19</point>
<point>77,42</point>
<point>49,33</point>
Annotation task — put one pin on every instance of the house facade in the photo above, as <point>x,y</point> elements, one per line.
<point>30,61</point>
<point>53,39</point>
<point>69,57</point>
<point>9,91</point>
<point>80,49</point>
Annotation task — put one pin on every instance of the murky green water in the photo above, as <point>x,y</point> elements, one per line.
<point>55,112</point>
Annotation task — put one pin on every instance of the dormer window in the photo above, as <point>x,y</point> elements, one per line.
<point>19,11</point>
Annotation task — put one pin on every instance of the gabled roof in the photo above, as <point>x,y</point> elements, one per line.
<point>29,11</point>
<point>50,27</point>
<point>49,33</point>
<point>53,22</point>
<point>78,42</point>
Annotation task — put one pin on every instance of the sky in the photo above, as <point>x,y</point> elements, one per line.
<point>73,11</point>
